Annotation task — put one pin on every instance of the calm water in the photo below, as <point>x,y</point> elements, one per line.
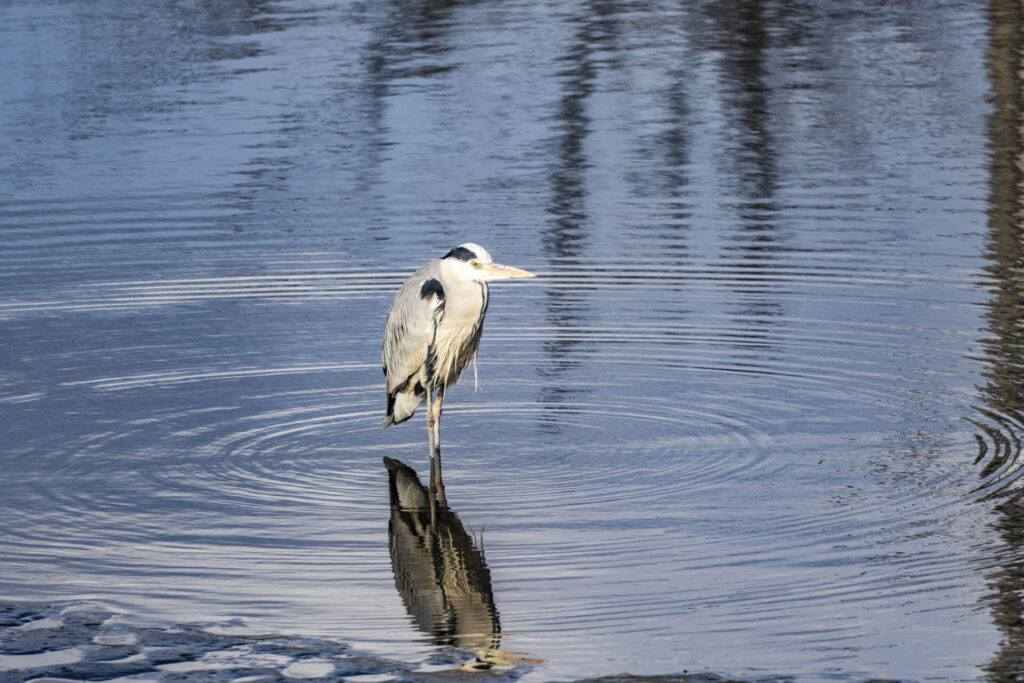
<point>759,415</point>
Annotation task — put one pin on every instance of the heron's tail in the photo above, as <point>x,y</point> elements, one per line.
<point>401,406</point>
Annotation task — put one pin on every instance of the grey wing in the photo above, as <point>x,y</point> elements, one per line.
<point>411,325</point>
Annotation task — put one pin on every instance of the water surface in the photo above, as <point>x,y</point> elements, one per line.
<point>759,415</point>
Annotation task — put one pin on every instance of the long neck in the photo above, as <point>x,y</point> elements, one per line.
<point>467,301</point>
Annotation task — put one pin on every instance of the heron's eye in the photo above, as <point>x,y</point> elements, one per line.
<point>475,264</point>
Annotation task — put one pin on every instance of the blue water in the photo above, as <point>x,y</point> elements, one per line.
<point>759,415</point>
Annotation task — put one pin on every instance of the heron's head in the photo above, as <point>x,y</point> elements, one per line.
<point>471,262</point>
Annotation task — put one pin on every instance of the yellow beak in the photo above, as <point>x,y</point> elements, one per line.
<point>500,272</point>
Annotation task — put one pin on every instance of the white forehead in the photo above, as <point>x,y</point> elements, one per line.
<point>481,253</point>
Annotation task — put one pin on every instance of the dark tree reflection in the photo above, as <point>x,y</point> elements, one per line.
<point>565,238</point>
<point>743,35</point>
<point>1003,394</point>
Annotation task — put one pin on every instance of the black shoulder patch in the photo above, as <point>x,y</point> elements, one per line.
<point>430,287</point>
<point>460,253</point>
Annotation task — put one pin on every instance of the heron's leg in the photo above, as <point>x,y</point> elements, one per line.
<point>432,445</point>
<point>436,481</point>
<point>437,421</point>
<point>430,425</point>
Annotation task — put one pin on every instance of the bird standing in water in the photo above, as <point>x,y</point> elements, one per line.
<point>433,331</point>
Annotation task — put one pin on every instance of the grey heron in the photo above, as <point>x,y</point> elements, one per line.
<point>432,332</point>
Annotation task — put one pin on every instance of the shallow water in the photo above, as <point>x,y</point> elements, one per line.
<point>759,415</point>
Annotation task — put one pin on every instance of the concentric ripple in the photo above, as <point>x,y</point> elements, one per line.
<point>668,446</point>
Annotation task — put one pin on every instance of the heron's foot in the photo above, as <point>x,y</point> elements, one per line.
<point>437,494</point>
<point>436,481</point>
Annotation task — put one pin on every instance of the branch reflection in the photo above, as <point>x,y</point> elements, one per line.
<point>441,573</point>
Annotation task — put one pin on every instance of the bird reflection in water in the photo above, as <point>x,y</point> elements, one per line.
<point>441,573</point>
